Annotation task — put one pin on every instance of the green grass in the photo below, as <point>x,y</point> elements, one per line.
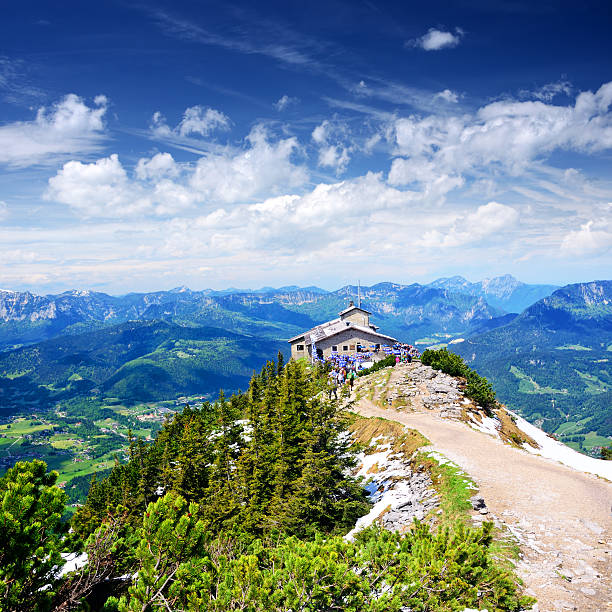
<point>573,347</point>
<point>530,386</point>
<point>22,426</point>
<point>591,439</point>
<point>17,374</point>
<point>454,487</point>
<point>65,443</point>
<point>568,428</point>
<point>593,383</point>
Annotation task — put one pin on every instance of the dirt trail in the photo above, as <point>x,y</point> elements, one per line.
<point>562,517</point>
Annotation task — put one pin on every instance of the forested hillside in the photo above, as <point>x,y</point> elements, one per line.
<point>239,505</point>
<point>553,363</point>
<point>137,361</point>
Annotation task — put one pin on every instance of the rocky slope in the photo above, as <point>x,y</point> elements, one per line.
<point>557,515</point>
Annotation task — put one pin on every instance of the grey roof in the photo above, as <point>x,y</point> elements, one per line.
<point>331,328</point>
<point>353,307</point>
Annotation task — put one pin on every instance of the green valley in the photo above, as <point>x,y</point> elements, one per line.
<point>552,365</point>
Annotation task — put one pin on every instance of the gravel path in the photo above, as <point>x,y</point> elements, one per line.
<point>561,517</point>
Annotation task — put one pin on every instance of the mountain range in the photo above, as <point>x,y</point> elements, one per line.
<point>444,306</point>
<point>550,362</point>
<point>505,292</point>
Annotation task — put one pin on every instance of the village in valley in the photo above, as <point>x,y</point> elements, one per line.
<point>81,438</point>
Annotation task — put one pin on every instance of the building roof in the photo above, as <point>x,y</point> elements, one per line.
<point>353,307</point>
<point>332,328</point>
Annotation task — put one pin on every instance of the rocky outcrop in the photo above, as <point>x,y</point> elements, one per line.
<point>432,389</point>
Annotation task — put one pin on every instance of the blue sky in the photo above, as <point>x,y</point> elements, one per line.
<point>149,145</point>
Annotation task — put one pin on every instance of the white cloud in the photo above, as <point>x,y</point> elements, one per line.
<point>264,168</point>
<point>319,134</point>
<point>17,256</point>
<point>101,189</point>
<point>159,166</point>
<point>436,39</point>
<point>488,220</point>
<point>334,157</point>
<point>448,96</point>
<point>334,150</point>
<point>69,127</point>
<point>284,102</point>
<point>549,91</point>
<point>196,120</point>
<point>163,187</point>
<point>593,238</point>
<point>508,134</point>
<point>292,223</point>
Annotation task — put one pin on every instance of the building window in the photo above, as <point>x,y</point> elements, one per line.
<point>352,347</point>
<point>335,348</point>
<point>345,347</point>
<point>300,347</point>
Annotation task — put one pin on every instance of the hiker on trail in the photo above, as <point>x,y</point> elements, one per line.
<point>341,376</point>
<point>333,384</point>
<point>352,375</point>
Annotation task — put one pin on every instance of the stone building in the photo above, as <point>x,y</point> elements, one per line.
<point>350,333</point>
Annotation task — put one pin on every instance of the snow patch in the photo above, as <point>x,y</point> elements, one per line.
<point>72,562</point>
<point>487,425</point>
<point>552,449</point>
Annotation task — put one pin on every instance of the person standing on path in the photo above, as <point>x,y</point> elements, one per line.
<point>333,384</point>
<point>351,378</point>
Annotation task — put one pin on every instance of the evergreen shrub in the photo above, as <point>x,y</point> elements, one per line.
<point>477,388</point>
<point>379,365</point>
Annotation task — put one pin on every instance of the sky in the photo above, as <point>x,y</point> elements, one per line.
<point>149,145</point>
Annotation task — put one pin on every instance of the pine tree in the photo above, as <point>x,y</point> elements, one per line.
<point>31,508</point>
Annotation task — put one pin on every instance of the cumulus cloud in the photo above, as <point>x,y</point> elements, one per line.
<point>69,127</point>
<point>508,134</point>
<point>161,186</point>
<point>487,220</point>
<point>159,166</point>
<point>281,223</point>
<point>448,96</point>
<point>436,39</point>
<point>264,168</point>
<point>282,103</point>
<point>334,150</point>
<point>593,238</point>
<point>101,188</point>
<point>196,120</point>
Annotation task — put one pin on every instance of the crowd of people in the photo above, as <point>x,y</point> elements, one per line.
<point>344,368</point>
